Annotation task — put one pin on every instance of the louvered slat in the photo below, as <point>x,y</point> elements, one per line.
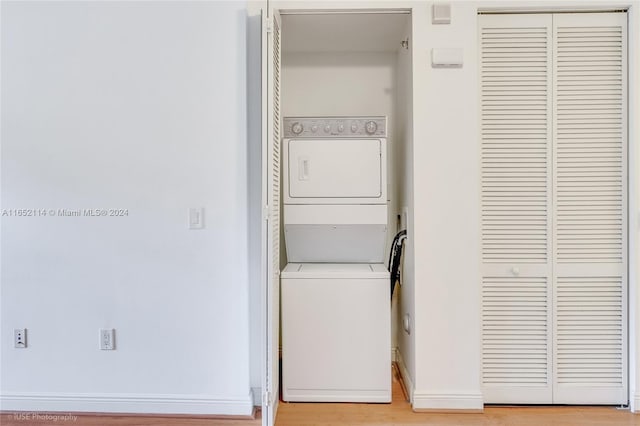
<point>515,142</point>
<point>589,143</point>
<point>589,326</point>
<point>515,329</point>
<point>275,183</point>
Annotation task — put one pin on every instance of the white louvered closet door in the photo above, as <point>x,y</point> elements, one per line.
<point>554,209</point>
<point>590,214</point>
<point>516,196</point>
<point>271,120</point>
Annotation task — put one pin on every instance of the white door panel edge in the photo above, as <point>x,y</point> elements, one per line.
<point>271,200</point>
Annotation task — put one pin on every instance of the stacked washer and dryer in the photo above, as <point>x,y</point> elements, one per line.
<point>335,289</point>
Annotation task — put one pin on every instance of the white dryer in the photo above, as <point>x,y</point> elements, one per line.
<point>335,189</point>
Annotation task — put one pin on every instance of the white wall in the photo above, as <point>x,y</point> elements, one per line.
<point>405,294</point>
<point>345,83</point>
<point>446,222</point>
<point>254,161</point>
<point>140,106</point>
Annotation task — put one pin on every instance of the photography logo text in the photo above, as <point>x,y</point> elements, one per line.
<point>43,417</point>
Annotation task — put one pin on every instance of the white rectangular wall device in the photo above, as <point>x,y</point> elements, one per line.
<point>441,13</point>
<point>447,57</point>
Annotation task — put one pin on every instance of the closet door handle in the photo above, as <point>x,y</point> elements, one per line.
<point>515,271</point>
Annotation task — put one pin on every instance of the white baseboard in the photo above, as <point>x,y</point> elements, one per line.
<point>447,402</point>
<point>129,403</point>
<point>257,396</point>
<point>635,404</point>
<point>406,378</point>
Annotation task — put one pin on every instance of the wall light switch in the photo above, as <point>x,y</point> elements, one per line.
<point>196,218</point>
<point>107,339</point>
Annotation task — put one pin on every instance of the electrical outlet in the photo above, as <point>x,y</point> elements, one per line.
<point>20,338</point>
<point>107,339</point>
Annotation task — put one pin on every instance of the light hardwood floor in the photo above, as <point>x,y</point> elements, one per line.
<point>398,413</point>
<point>8,419</point>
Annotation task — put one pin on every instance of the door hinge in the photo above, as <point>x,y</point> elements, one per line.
<point>266,212</point>
<point>266,398</point>
<point>268,26</point>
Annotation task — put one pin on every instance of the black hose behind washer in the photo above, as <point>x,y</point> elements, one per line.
<point>394,258</point>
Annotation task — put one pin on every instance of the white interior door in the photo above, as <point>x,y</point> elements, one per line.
<point>271,204</point>
<point>554,208</point>
<point>516,200</point>
<point>590,208</point>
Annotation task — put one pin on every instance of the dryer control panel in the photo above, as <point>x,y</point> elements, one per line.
<point>330,127</point>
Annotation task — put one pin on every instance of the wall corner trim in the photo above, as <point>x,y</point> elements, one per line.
<point>447,402</point>
<point>404,373</point>
<point>241,405</point>
<point>635,403</point>
<point>256,395</point>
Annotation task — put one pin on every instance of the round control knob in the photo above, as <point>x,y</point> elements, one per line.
<point>354,128</point>
<point>314,128</point>
<point>371,127</point>
<point>327,128</point>
<point>341,127</point>
<point>297,128</point>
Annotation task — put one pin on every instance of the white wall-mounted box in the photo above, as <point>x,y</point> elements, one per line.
<point>441,13</point>
<point>447,57</point>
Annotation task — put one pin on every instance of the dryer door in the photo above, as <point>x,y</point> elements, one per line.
<point>335,168</point>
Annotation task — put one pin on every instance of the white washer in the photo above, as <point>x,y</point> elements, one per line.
<point>336,344</point>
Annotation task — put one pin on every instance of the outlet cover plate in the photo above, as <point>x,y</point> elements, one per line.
<point>20,338</point>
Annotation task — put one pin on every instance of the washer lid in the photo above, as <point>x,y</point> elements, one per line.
<point>335,270</point>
